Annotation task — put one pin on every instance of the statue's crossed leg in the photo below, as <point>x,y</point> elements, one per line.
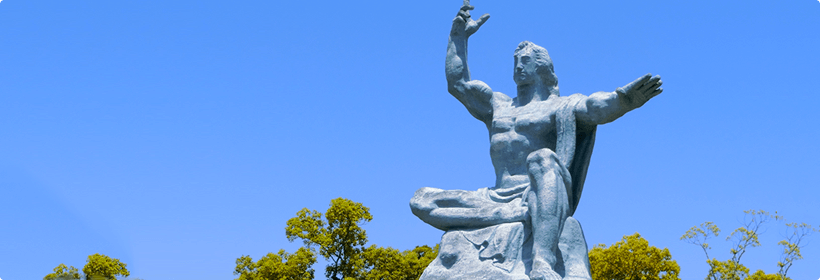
<point>545,209</point>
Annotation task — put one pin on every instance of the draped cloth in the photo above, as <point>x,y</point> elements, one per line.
<point>574,149</point>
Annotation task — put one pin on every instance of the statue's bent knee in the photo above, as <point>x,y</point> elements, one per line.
<point>423,200</point>
<point>542,160</point>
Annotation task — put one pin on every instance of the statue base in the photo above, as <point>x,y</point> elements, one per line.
<point>503,252</point>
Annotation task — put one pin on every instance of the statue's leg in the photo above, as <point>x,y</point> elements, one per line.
<point>574,250</point>
<point>549,207</point>
<point>446,209</point>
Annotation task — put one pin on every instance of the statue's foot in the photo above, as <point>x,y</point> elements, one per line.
<point>541,270</point>
<point>544,274</point>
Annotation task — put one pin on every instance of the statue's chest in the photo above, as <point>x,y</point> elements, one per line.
<point>526,121</point>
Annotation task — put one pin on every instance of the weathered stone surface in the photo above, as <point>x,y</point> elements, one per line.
<point>540,146</point>
<point>482,254</point>
<point>503,252</point>
<point>574,251</point>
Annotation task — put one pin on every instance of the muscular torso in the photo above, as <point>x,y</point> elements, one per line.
<point>517,131</point>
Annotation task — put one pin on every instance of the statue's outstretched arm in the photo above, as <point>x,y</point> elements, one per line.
<point>474,94</point>
<point>604,107</point>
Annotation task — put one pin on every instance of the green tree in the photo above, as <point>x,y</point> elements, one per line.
<point>745,237</point>
<point>340,239</point>
<point>279,266</point>
<point>391,264</point>
<point>61,272</point>
<point>630,259</point>
<point>760,275</point>
<point>104,266</point>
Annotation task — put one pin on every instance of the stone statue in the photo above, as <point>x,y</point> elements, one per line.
<point>540,145</point>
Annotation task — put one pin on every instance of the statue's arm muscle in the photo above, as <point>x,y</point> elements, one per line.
<point>474,94</point>
<point>600,108</point>
<point>604,107</point>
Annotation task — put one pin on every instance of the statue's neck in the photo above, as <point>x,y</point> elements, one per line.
<point>535,92</point>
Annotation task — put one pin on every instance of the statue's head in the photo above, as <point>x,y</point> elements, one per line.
<point>533,62</point>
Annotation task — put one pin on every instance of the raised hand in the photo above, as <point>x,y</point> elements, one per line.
<point>636,93</point>
<point>463,25</point>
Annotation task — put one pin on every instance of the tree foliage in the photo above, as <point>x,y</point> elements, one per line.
<point>698,235</point>
<point>391,264</point>
<point>338,236</point>
<point>62,272</point>
<point>97,265</point>
<point>795,239</point>
<point>278,266</point>
<point>745,237</point>
<point>632,258</point>
<point>760,275</point>
<point>340,239</point>
<point>105,266</point>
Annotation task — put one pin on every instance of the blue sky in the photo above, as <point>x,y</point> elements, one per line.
<point>180,135</point>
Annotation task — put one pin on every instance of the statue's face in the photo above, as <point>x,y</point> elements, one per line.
<point>525,71</point>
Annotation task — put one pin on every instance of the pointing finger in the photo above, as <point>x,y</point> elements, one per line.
<point>482,19</point>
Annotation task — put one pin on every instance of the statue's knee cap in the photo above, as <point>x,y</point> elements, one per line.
<point>417,204</point>
<point>421,200</point>
<point>541,156</point>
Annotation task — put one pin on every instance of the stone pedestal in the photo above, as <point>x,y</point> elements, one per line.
<point>503,252</point>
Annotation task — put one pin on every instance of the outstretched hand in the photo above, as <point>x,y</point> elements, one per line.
<point>636,93</point>
<point>465,26</point>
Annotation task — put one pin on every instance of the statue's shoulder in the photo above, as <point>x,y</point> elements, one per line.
<point>571,100</point>
<point>501,99</point>
<point>501,96</point>
<point>576,97</point>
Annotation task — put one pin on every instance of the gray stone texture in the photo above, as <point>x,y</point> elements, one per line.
<point>540,146</point>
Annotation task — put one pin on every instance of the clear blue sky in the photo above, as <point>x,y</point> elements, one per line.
<point>180,135</point>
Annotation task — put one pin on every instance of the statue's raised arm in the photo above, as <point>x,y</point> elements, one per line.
<point>474,94</point>
<point>604,107</point>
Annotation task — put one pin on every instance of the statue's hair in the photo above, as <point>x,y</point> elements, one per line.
<point>543,61</point>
